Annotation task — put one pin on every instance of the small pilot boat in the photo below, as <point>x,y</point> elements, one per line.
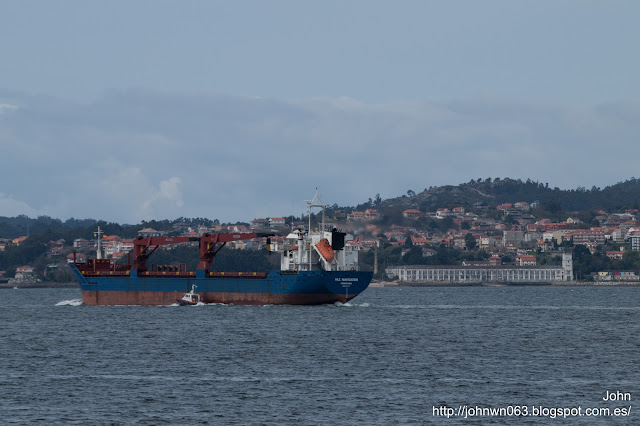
<point>190,298</point>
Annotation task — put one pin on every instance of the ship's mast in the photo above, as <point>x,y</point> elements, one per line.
<point>99,249</point>
<point>315,202</point>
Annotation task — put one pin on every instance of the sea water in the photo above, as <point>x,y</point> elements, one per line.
<point>390,356</point>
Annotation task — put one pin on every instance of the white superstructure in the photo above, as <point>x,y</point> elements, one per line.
<point>318,249</point>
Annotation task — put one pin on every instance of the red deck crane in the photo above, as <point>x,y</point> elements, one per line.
<point>210,245</point>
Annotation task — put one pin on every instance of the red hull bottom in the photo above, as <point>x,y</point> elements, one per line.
<point>170,298</point>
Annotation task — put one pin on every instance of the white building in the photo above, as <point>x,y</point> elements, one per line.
<point>512,237</point>
<point>634,239</point>
<point>486,241</point>
<point>276,222</point>
<point>480,274</point>
<point>532,236</point>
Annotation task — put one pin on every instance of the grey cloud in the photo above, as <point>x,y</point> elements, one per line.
<point>141,154</point>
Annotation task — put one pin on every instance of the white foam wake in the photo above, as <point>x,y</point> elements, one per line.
<point>349,305</point>
<point>71,302</point>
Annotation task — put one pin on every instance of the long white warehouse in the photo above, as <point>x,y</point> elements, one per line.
<point>488,274</point>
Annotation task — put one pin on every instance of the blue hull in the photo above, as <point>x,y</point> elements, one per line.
<point>304,287</point>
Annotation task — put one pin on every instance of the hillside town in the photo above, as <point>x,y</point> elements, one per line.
<point>515,240</point>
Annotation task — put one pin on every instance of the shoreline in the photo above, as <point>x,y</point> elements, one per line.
<point>497,284</point>
<point>37,285</point>
<point>390,284</point>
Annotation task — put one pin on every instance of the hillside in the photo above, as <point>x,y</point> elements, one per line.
<point>494,192</point>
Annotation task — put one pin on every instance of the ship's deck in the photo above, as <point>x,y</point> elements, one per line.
<point>177,274</point>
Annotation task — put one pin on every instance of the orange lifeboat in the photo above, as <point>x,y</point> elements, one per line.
<point>325,250</point>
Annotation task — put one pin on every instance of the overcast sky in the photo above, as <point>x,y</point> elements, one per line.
<point>131,110</point>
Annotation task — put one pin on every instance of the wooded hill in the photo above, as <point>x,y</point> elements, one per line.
<point>493,192</point>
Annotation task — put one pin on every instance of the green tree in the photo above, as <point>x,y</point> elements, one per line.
<point>408,242</point>
<point>413,256</point>
<point>552,206</point>
<point>582,262</point>
<point>469,241</point>
<point>631,260</point>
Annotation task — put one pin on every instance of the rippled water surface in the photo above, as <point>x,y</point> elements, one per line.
<point>391,356</point>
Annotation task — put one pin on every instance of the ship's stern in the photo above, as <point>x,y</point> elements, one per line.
<point>346,285</point>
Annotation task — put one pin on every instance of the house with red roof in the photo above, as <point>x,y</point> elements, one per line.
<point>355,215</point>
<point>149,232</point>
<point>615,255</point>
<point>19,240</point>
<point>259,223</point>
<point>24,272</point>
<point>80,258</point>
<point>526,260</point>
<point>442,213</point>
<point>545,245</point>
<point>412,213</point>
<point>238,228</point>
<point>485,241</point>
<point>504,206</point>
<point>55,251</point>
<point>585,236</point>
<point>117,256</point>
<point>419,241</point>
<point>81,243</point>
<point>534,227</point>
<point>276,222</point>
<point>447,242</point>
<point>371,214</point>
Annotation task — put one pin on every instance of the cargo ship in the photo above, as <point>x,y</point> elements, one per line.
<point>316,267</point>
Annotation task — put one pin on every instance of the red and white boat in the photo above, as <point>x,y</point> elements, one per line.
<point>191,298</point>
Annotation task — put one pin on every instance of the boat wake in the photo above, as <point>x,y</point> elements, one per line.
<point>197,304</point>
<point>350,305</point>
<point>71,302</point>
